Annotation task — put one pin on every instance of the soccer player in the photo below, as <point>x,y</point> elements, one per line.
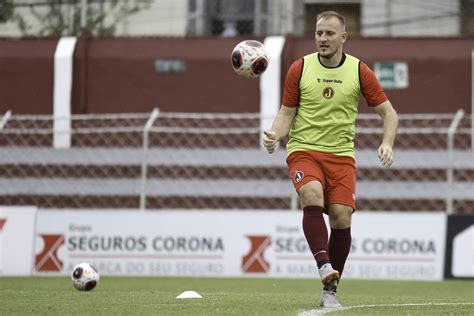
<point>318,114</point>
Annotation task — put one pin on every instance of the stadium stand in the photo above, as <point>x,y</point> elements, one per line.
<point>213,161</point>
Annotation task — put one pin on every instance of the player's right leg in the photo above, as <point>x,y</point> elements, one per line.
<point>315,231</point>
<point>308,180</point>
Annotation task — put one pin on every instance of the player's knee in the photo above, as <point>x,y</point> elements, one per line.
<point>343,222</point>
<point>311,194</point>
<point>340,218</point>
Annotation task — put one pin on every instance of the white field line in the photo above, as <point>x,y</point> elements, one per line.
<point>317,312</point>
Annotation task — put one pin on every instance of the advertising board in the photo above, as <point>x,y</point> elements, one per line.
<point>233,244</point>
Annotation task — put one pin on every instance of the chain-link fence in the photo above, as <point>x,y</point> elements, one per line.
<point>214,161</point>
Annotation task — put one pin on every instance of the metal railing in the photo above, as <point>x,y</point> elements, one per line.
<point>450,169</point>
<point>146,131</point>
<point>213,160</point>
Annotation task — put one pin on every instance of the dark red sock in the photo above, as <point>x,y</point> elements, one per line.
<point>339,247</point>
<point>316,233</point>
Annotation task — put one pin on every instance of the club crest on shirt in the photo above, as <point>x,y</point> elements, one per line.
<point>299,176</point>
<point>328,93</point>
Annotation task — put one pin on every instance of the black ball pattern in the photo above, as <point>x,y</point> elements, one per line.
<point>259,65</point>
<point>90,285</point>
<point>77,274</point>
<point>237,59</point>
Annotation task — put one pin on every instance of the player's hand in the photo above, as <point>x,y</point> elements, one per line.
<point>269,141</point>
<point>385,153</point>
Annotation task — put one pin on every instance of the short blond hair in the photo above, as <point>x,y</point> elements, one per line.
<point>329,14</point>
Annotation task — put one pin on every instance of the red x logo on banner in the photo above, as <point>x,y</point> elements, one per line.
<point>48,259</point>
<point>254,260</point>
<point>2,223</point>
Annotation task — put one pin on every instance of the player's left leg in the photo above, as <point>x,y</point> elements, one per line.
<point>340,204</point>
<point>339,246</point>
<point>340,217</point>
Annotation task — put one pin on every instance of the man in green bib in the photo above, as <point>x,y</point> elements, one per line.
<point>318,114</point>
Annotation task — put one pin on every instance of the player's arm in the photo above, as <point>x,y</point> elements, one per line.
<point>280,128</point>
<point>291,98</point>
<point>376,99</point>
<point>390,123</point>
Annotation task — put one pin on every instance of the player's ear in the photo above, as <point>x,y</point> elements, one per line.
<point>343,37</point>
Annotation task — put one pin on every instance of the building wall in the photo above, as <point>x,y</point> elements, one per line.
<point>118,75</point>
<point>378,18</point>
<point>26,75</point>
<point>410,18</point>
<point>284,17</point>
<point>439,70</point>
<point>163,18</point>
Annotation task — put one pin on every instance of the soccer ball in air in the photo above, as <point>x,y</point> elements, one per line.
<point>85,277</point>
<point>250,59</point>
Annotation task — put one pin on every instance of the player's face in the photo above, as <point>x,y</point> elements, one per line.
<point>329,36</point>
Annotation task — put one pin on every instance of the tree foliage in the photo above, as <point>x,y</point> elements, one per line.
<point>59,17</point>
<point>6,10</point>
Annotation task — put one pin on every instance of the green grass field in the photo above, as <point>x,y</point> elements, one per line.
<point>157,296</point>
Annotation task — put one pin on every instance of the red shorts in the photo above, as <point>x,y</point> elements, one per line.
<point>337,174</point>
